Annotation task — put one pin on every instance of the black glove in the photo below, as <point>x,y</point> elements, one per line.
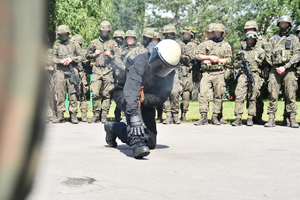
<point>136,126</point>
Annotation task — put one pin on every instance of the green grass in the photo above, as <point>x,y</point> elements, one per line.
<point>193,113</point>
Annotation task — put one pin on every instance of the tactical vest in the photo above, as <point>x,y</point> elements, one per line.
<point>251,56</point>
<point>215,50</point>
<point>281,52</point>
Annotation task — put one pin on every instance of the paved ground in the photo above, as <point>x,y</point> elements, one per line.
<point>189,163</point>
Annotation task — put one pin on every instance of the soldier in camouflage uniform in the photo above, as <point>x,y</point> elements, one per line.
<point>64,53</point>
<point>186,69</point>
<point>252,26</point>
<point>102,50</point>
<point>131,49</point>
<point>171,106</point>
<point>156,37</point>
<point>254,54</point>
<point>147,34</point>
<point>283,55</point>
<point>215,54</point>
<point>83,77</point>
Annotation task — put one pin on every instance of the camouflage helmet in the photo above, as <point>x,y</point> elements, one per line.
<point>78,38</point>
<point>189,30</point>
<point>210,27</point>
<point>169,29</point>
<point>298,29</point>
<point>285,18</point>
<point>119,33</point>
<point>251,34</point>
<point>63,29</point>
<point>148,32</point>
<point>157,35</point>
<point>219,27</point>
<point>251,24</point>
<point>105,26</point>
<point>130,33</point>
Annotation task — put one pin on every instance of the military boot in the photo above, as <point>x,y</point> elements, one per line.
<point>250,121</point>
<point>140,150</point>
<point>74,119</point>
<point>169,119</point>
<point>103,117</point>
<point>271,122</point>
<point>110,135</point>
<point>52,118</point>
<point>258,120</point>
<point>285,121</point>
<point>237,122</point>
<point>83,117</point>
<point>176,119</point>
<point>95,119</point>
<point>221,119</point>
<point>183,117</point>
<point>293,121</point>
<point>59,119</point>
<point>202,120</point>
<point>214,120</point>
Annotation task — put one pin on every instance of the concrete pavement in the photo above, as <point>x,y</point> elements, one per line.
<point>207,162</point>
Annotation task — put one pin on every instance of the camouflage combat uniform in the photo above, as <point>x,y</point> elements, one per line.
<point>50,68</point>
<point>255,57</point>
<point>213,75</point>
<point>283,52</point>
<point>61,51</point>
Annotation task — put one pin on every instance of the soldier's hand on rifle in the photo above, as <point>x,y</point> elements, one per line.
<point>223,61</point>
<point>108,53</point>
<point>280,70</point>
<point>66,61</point>
<point>214,59</point>
<point>97,52</point>
<point>207,62</point>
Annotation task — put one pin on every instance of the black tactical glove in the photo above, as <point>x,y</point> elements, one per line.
<point>136,126</point>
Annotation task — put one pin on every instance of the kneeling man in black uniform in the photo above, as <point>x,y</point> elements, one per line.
<point>146,85</point>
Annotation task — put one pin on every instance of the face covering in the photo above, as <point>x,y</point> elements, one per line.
<point>119,41</point>
<point>146,41</point>
<point>64,37</point>
<point>170,36</point>
<point>218,38</point>
<point>104,38</point>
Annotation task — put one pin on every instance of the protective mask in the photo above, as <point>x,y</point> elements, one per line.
<point>64,37</point>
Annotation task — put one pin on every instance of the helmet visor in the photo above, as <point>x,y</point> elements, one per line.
<point>159,66</point>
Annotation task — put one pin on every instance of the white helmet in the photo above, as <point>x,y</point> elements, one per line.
<point>165,57</point>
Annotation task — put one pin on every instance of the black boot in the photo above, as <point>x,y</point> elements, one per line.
<point>214,120</point>
<point>110,135</point>
<point>169,119</point>
<point>176,119</point>
<point>221,119</point>
<point>183,117</point>
<point>202,120</point>
<point>74,119</point>
<point>140,150</point>
<point>237,122</point>
<point>95,119</point>
<point>271,122</point>
<point>258,120</point>
<point>250,121</point>
<point>286,120</point>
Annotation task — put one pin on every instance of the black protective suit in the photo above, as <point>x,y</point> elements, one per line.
<point>156,91</point>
